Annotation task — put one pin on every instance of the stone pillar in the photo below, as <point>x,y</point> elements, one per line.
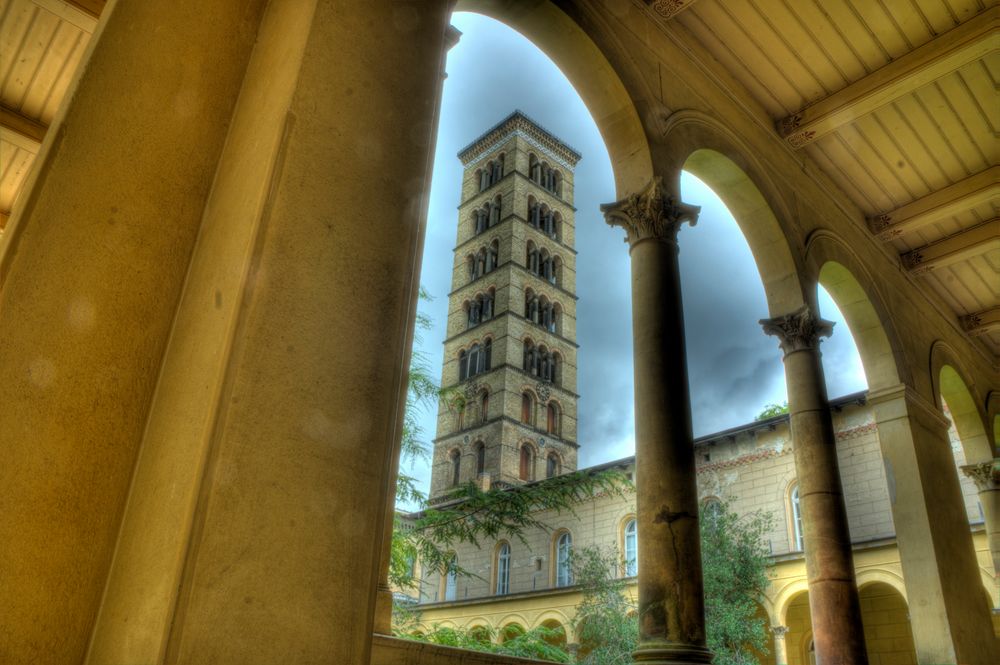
<point>944,587</point>
<point>93,265</point>
<point>833,591</point>
<point>986,475</point>
<point>383,597</point>
<point>671,602</point>
<point>780,648</point>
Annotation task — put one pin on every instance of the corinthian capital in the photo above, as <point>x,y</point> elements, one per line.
<point>650,214</point>
<point>799,330</point>
<point>986,475</point>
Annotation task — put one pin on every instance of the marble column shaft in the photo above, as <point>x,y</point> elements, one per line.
<point>671,603</point>
<point>833,591</point>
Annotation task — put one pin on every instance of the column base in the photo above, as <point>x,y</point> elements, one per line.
<point>671,653</point>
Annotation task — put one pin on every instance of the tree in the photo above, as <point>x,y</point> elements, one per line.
<point>772,410</point>
<point>735,564</point>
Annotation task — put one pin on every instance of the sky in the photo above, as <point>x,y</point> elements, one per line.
<point>734,368</point>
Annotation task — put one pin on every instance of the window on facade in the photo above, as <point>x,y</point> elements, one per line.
<point>495,208</point>
<point>479,359</point>
<point>480,308</point>
<point>461,414</point>
<point>480,459</point>
<point>482,219</point>
<point>451,582</point>
<point>503,569</point>
<point>564,545</point>
<point>631,549</point>
<point>527,406</point>
<point>524,472</point>
<point>552,465</point>
<point>484,407</point>
<point>711,509</point>
<point>456,467</point>
<point>552,420</point>
<point>796,519</point>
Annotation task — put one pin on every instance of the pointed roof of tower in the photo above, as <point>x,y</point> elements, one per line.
<point>519,123</point>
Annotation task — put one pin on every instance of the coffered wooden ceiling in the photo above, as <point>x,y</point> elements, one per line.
<point>896,100</point>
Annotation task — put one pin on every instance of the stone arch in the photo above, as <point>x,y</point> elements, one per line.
<point>884,613</point>
<point>948,378</point>
<point>700,145</point>
<point>859,300</point>
<point>512,626</point>
<point>592,75</point>
<point>552,618</point>
<point>871,576</point>
<point>787,596</point>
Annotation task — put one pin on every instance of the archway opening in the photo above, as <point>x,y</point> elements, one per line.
<point>886,620</point>
<point>798,639</point>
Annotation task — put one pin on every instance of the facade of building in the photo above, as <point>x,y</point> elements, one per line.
<point>510,352</point>
<point>522,585</point>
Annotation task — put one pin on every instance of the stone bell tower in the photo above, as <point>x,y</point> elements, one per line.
<point>510,352</point>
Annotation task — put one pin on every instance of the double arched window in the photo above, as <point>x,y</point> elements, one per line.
<point>542,312</point>
<point>552,465</point>
<point>543,174</point>
<point>563,547</point>
<point>796,514</point>
<point>480,308</point>
<point>477,360</point>
<point>544,218</point>
<point>540,362</point>
<point>503,569</point>
<point>540,263</point>
<point>487,216</point>
<point>491,174</point>
<point>527,461</point>
<point>484,261</point>
<point>631,533</point>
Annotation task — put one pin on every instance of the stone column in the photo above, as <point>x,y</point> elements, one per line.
<point>780,648</point>
<point>671,603</point>
<point>833,591</point>
<point>986,475</point>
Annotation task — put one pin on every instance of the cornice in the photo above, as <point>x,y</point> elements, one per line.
<point>518,124</point>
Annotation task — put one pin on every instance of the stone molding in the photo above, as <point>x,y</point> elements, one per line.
<point>798,331</point>
<point>986,475</point>
<point>779,632</point>
<point>651,214</point>
<point>670,8</point>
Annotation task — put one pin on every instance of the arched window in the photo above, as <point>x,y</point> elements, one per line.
<point>482,219</point>
<point>463,365</point>
<point>529,356</point>
<point>498,170</point>
<point>456,467</point>
<point>484,179</point>
<point>796,518</point>
<point>480,459</point>
<point>461,413</point>
<point>526,462</point>
<point>534,169</point>
<point>474,360</point>
<point>527,408</point>
<point>564,576</point>
<point>552,465</point>
<point>503,569</point>
<point>495,208</point>
<point>552,419</point>
<point>711,508</point>
<point>487,355</point>
<point>493,258</point>
<point>484,407</point>
<point>631,549</point>
<point>451,581</point>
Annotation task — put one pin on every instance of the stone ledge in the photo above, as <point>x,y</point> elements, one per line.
<point>388,650</point>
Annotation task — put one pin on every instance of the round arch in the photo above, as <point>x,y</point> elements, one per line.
<point>870,576</point>
<point>549,619</point>
<point>951,388</point>
<point>701,145</point>
<point>787,596</point>
<point>857,296</point>
<point>594,78</point>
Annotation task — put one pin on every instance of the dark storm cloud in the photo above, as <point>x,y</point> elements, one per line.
<point>734,369</point>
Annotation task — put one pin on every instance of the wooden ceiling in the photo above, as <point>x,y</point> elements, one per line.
<point>896,100</point>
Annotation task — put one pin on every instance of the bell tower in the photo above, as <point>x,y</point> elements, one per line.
<point>510,354</point>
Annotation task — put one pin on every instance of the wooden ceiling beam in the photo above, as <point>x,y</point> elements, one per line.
<point>669,8</point>
<point>81,13</point>
<point>965,43</point>
<point>971,242</point>
<point>982,322</point>
<point>952,200</point>
<point>23,127</point>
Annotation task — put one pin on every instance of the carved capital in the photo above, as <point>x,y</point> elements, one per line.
<point>779,632</point>
<point>986,475</point>
<point>670,8</point>
<point>651,214</point>
<point>799,330</point>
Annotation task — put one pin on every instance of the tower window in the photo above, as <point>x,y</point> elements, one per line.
<point>527,407</point>
<point>552,419</point>
<point>484,408</point>
<point>552,465</point>
<point>480,459</point>
<point>526,462</point>
<point>456,467</point>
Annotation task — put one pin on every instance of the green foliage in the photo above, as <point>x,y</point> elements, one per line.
<point>607,627</point>
<point>772,410</point>
<point>736,565</point>
<point>539,643</point>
